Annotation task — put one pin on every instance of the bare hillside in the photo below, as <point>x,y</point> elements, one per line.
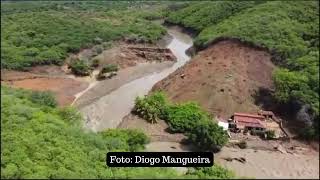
<point>223,78</point>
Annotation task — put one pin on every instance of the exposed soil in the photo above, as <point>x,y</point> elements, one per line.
<point>106,104</point>
<point>62,87</point>
<point>66,86</point>
<point>156,132</point>
<point>270,164</point>
<point>124,76</point>
<point>223,79</point>
<point>128,54</point>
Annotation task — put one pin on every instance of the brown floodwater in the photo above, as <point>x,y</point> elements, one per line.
<point>109,110</point>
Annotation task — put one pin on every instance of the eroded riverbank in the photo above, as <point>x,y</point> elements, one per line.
<point>105,105</point>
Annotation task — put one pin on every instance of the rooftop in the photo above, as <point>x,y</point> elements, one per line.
<point>250,120</point>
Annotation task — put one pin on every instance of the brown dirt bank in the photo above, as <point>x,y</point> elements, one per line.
<point>65,85</point>
<point>223,78</point>
<point>126,54</point>
<point>124,76</point>
<point>270,164</point>
<point>157,132</point>
<point>63,88</point>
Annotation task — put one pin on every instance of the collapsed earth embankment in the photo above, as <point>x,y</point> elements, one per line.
<point>223,78</point>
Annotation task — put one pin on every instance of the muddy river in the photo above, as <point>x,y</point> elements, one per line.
<point>108,111</point>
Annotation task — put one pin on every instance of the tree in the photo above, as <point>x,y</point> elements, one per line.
<point>208,136</point>
<point>152,107</point>
<point>80,67</point>
<point>184,117</point>
<point>43,98</point>
<point>289,85</point>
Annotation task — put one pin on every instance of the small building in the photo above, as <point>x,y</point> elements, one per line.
<point>224,125</point>
<point>246,122</point>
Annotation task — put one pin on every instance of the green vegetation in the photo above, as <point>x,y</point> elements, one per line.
<point>288,29</point>
<point>186,118</point>
<point>41,141</point>
<point>151,108</point>
<point>214,172</point>
<point>43,98</point>
<point>34,37</point>
<point>110,68</point>
<point>95,63</point>
<point>270,134</point>
<point>199,15</point>
<point>80,67</point>
<point>133,140</point>
<point>208,136</point>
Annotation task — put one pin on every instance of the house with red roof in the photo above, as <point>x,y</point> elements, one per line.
<point>244,121</point>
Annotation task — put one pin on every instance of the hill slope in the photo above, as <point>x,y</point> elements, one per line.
<point>289,30</point>
<point>222,78</point>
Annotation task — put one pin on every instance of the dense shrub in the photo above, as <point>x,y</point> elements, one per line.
<point>43,98</point>
<point>208,136</point>
<point>135,139</point>
<point>80,68</point>
<point>95,62</point>
<point>200,15</point>
<point>309,133</point>
<point>70,115</point>
<point>46,144</point>
<point>184,117</point>
<point>35,36</point>
<point>214,172</point>
<point>97,49</point>
<point>187,118</point>
<point>106,45</point>
<point>42,144</point>
<point>110,68</point>
<point>152,107</point>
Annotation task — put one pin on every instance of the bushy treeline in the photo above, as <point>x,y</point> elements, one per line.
<point>289,29</point>
<point>46,37</point>
<point>39,140</point>
<point>187,118</point>
<point>200,15</point>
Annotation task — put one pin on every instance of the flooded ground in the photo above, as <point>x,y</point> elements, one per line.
<point>270,164</point>
<point>108,111</point>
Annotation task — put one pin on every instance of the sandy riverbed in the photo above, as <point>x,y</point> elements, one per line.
<point>124,76</point>
<point>270,164</point>
<point>106,104</point>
